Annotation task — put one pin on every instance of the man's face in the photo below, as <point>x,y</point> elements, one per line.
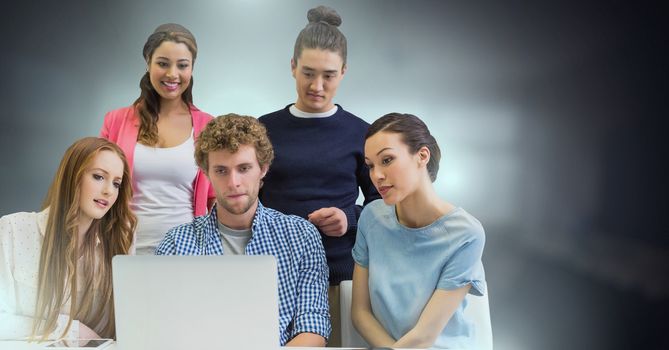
<point>317,76</point>
<point>236,181</point>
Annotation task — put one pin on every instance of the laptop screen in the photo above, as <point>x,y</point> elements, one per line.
<point>189,302</point>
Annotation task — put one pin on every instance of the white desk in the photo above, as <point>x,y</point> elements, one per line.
<point>22,345</point>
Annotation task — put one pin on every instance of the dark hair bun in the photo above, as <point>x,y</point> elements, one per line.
<point>324,14</point>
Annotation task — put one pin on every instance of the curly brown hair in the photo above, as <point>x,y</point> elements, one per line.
<point>228,132</point>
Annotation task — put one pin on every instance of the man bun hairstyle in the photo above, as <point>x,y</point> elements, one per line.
<point>324,14</point>
<point>321,33</point>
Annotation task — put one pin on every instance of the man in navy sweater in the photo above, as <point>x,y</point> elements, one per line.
<point>318,169</point>
<point>319,164</point>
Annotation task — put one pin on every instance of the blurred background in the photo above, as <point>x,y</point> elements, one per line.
<point>550,117</point>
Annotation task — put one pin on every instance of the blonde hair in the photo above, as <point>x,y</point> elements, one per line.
<point>228,132</point>
<point>106,237</point>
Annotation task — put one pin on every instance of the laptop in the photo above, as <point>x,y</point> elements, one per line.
<point>196,302</point>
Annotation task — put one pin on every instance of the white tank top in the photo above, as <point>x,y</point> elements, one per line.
<point>162,182</point>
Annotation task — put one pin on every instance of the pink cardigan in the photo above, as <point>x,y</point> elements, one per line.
<point>121,126</point>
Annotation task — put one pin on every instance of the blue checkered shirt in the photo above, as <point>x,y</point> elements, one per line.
<point>297,247</point>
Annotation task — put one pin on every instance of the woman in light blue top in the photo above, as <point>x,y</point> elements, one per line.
<point>416,255</point>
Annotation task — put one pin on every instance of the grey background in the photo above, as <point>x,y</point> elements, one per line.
<point>549,117</point>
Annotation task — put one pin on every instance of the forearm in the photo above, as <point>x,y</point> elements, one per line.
<point>167,246</point>
<point>433,319</point>
<point>352,214</point>
<point>370,329</point>
<point>361,311</point>
<point>14,327</point>
<point>414,339</point>
<point>311,323</point>
<point>307,339</point>
<point>19,327</point>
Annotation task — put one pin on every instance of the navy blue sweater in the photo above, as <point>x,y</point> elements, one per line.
<point>319,163</point>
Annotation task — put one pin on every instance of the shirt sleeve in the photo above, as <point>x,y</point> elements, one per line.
<point>352,213</point>
<point>360,252</point>
<point>14,326</point>
<point>465,267</point>
<point>167,246</point>
<point>19,327</point>
<point>312,315</point>
<point>366,186</point>
<point>368,191</point>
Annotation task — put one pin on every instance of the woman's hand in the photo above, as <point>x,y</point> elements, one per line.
<point>86,333</point>
<point>433,319</point>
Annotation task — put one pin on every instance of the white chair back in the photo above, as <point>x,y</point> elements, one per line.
<point>350,338</point>
<point>478,311</point>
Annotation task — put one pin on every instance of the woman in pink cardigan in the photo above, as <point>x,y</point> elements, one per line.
<point>157,134</point>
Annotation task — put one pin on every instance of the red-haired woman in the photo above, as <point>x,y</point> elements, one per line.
<point>55,265</point>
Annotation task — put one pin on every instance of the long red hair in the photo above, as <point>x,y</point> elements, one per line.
<point>108,236</point>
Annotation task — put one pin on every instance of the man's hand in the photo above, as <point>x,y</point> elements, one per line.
<point>331,221</point>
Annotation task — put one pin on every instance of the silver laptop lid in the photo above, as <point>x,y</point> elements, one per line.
<point>196,302</point>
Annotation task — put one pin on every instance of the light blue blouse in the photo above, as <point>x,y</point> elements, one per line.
<point>406,265</point>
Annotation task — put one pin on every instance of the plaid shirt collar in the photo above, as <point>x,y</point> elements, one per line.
<point>259,218</point>
<point>211,236</point>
